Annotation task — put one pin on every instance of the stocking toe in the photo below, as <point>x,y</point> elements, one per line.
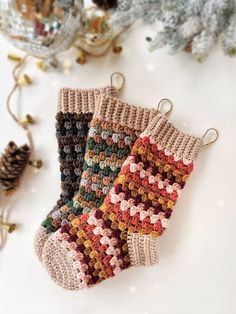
<point>60,264</point>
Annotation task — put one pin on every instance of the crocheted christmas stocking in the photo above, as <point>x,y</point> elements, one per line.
<point>112,133</point>
<point>124,230</point>
<point>75,111</point>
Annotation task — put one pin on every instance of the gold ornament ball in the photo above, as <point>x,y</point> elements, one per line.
<point>95,32</point>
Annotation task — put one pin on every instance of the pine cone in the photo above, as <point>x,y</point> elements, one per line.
<point>106,4</point>
<point>12,164</point>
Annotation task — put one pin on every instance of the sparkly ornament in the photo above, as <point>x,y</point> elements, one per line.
<point>95,33</point>
<point>40,28</point>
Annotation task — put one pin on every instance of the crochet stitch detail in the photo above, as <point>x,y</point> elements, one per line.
<point>79,101</point>
<point>143,250</point>
<point>111,136</point>
<point>101,243</point>
<point>75,110</point>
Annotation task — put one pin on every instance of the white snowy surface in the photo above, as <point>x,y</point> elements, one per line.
<point>196,273</point>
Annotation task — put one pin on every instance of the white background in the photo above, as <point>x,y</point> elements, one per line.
<point>196,273</point>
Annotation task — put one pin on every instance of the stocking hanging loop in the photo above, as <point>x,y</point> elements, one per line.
<point>209,134</point>
<point>117,80</point>
<point>162,103</point>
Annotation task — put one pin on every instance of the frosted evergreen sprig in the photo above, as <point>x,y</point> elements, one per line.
<point>192,25</point>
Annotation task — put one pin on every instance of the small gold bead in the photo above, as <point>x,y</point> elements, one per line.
<point>25,80</point>
<point>41,65</point>
<point>14,57</point>
<point>82,57</point>
<point>8,227</point>
<point>28,119</point>
<point>117,49</point>
<point>36,163</point>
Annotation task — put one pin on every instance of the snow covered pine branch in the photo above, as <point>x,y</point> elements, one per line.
<point>191,25</point>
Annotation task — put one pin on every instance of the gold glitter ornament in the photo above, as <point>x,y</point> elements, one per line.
<point>96,32</point>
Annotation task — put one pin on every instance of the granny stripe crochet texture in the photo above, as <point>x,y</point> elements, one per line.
<point>75,111</point>
<point>123,231</point>
<point>112,133</point>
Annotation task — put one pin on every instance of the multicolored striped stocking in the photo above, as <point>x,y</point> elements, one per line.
<point>75,111</point>
<point>113,131</point>
<point>123,231</point>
